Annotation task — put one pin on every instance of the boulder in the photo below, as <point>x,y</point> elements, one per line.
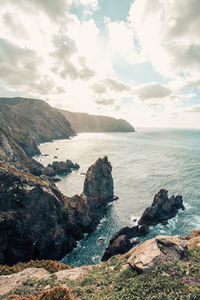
<point>60,167</point>
<point>162,209</point>
<point>147,255</point>
<point>48,171</point>
<point>120,242</point>
<point>74,274</point>
<point>120,245</point>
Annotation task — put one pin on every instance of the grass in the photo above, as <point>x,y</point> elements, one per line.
<point>115,280</point>
<point>49,265</point>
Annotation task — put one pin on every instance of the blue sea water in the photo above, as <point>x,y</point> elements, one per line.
<point>143,162</point>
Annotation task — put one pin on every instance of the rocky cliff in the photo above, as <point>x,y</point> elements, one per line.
<point>38,221</point>
<point>32,122</point>
<point>12,153</point>
<point>83,122</point>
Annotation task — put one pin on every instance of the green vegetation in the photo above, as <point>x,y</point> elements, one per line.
<point>115,280</point>
<point>49,265</point>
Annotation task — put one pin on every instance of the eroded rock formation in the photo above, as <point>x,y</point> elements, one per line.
<point>162,209</point>
<point>38,222</point>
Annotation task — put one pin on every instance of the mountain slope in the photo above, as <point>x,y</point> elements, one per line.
<point>83,122</point>
<point>32,122</point>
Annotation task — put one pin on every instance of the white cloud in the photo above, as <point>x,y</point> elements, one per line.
<point>152,90</point>
<point>168,34</point>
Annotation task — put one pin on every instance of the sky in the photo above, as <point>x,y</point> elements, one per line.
<point>137,60</point>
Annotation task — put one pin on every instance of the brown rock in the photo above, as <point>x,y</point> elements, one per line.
<point>11,282</point>
<point>74,274</point>
<point>147,255</point>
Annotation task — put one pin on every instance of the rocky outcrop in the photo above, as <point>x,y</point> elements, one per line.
<point>147,255</point>
<point>60,168</point>
<point>17,281</point>
<point>120,245</point>
<point>38,222</point>
<point>83,122</point>
<point>99,181</point>
<point>162,209</point>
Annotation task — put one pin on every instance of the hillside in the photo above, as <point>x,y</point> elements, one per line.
<point>11,152</point>
<point>83,122</point>
<point>32,122</point>
<point>115,279</point>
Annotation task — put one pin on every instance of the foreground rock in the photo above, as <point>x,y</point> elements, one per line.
<point>147,255</point>
<point>12,282</point>
<point>162,209</point>
<point>38,222</point>
<point>17,281</point>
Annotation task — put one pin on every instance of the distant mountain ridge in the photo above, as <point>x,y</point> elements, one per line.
<point>83,122</point>
<point>33,121</point>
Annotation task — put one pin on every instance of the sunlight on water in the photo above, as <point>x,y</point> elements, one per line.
<point>143,162</point>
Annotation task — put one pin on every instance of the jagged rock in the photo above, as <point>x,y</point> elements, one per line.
<point>131,232</point>
<point>63,167</point>
<point>120,245</point>
<point>38,222</point>
<point>162,209</point>
<point>99,181</point>
<point>147,255</point>
<point>127,233</point>
<point>48,171</point>
<point>60,167</point>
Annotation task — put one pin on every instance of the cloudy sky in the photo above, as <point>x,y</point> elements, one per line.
<point>138,60</point>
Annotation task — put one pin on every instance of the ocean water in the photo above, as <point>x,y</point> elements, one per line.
<point>143,162</point>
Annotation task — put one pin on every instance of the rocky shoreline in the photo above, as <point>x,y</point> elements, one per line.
<point>38,222</point>
<point>161,210</point>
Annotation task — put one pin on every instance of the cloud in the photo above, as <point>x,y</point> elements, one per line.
<point>192,109</point>
<point>167,32</point>
<point>110,85</point>
<point>105,101</point>
<point>18,66</point>
<point>54,9</point>
<point>152,90</point>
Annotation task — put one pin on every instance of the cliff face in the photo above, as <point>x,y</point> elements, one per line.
<point>82,122</point>
<point>33,121</point>
<point>38,222</point>
<point>12,153</point>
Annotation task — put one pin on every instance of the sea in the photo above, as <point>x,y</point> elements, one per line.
<point>143,162</point>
